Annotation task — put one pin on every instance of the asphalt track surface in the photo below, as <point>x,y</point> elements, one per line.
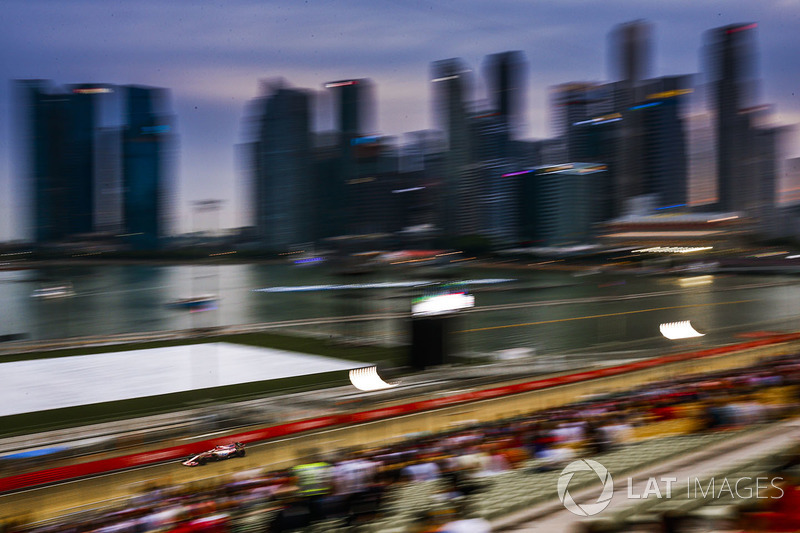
<point>163,467</point>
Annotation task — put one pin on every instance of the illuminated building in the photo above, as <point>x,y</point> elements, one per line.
<point>146,165</point>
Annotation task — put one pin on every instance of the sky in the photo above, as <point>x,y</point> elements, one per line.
<point>213,56</point>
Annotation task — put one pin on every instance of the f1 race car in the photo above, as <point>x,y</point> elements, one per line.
<point>217,453</point>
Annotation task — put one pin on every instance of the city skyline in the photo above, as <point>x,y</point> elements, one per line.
<point>210,110</point>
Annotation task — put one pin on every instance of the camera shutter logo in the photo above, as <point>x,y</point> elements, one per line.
<point>586,509</point>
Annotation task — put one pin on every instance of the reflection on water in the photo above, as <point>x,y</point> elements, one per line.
<point>580,311</point>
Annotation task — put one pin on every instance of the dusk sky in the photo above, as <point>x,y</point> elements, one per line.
<point>212,56</point>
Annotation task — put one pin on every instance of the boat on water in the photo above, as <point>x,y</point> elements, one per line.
<point>53,292</point>
<point>204,301</point>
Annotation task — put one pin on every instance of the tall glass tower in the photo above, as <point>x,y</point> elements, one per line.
<point>505,79</point>
<point>283,166</point>
<point>451,82</point>
<point>60,147</point>
<point>729,55</point>
<point>146,142</point>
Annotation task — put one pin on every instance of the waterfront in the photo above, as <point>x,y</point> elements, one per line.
<point>552,312</point>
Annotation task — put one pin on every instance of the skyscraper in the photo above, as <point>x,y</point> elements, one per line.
<point>282,166</point>
<point>146,165</point>
<point>108,192</point>
<point>729,55</point>
<point>60,148</point>
<point>452,98</point>
<point>629,61</point>
<point>354,110</point>
<point>664,161</point>
<point>83,103</point>
<point>505,79</point>
<point>499,220</point>
<point>573,106</point>
<point>354,104</point>
<point>630,52</point>
<point>558,204</point>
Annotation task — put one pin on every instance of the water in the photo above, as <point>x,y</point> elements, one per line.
<point>548,311</point>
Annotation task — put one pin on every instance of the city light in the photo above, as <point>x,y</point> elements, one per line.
<point>379,285</point>
<point>695,281</point>
<point>743,28</point>
<point>93,90</point>
<point>613,117</point>
<point>410,189</point>
<point>520,173</point>
<point>341,84</point>
<point>669,94</point>
<point>644,106</point>
<point>672,249</point>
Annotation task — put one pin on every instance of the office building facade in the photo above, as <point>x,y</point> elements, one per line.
<point>146,168</point>
<point>729,56</point>
<point>558,203</point>
<point>282,164</point>
<point>60,157</point>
